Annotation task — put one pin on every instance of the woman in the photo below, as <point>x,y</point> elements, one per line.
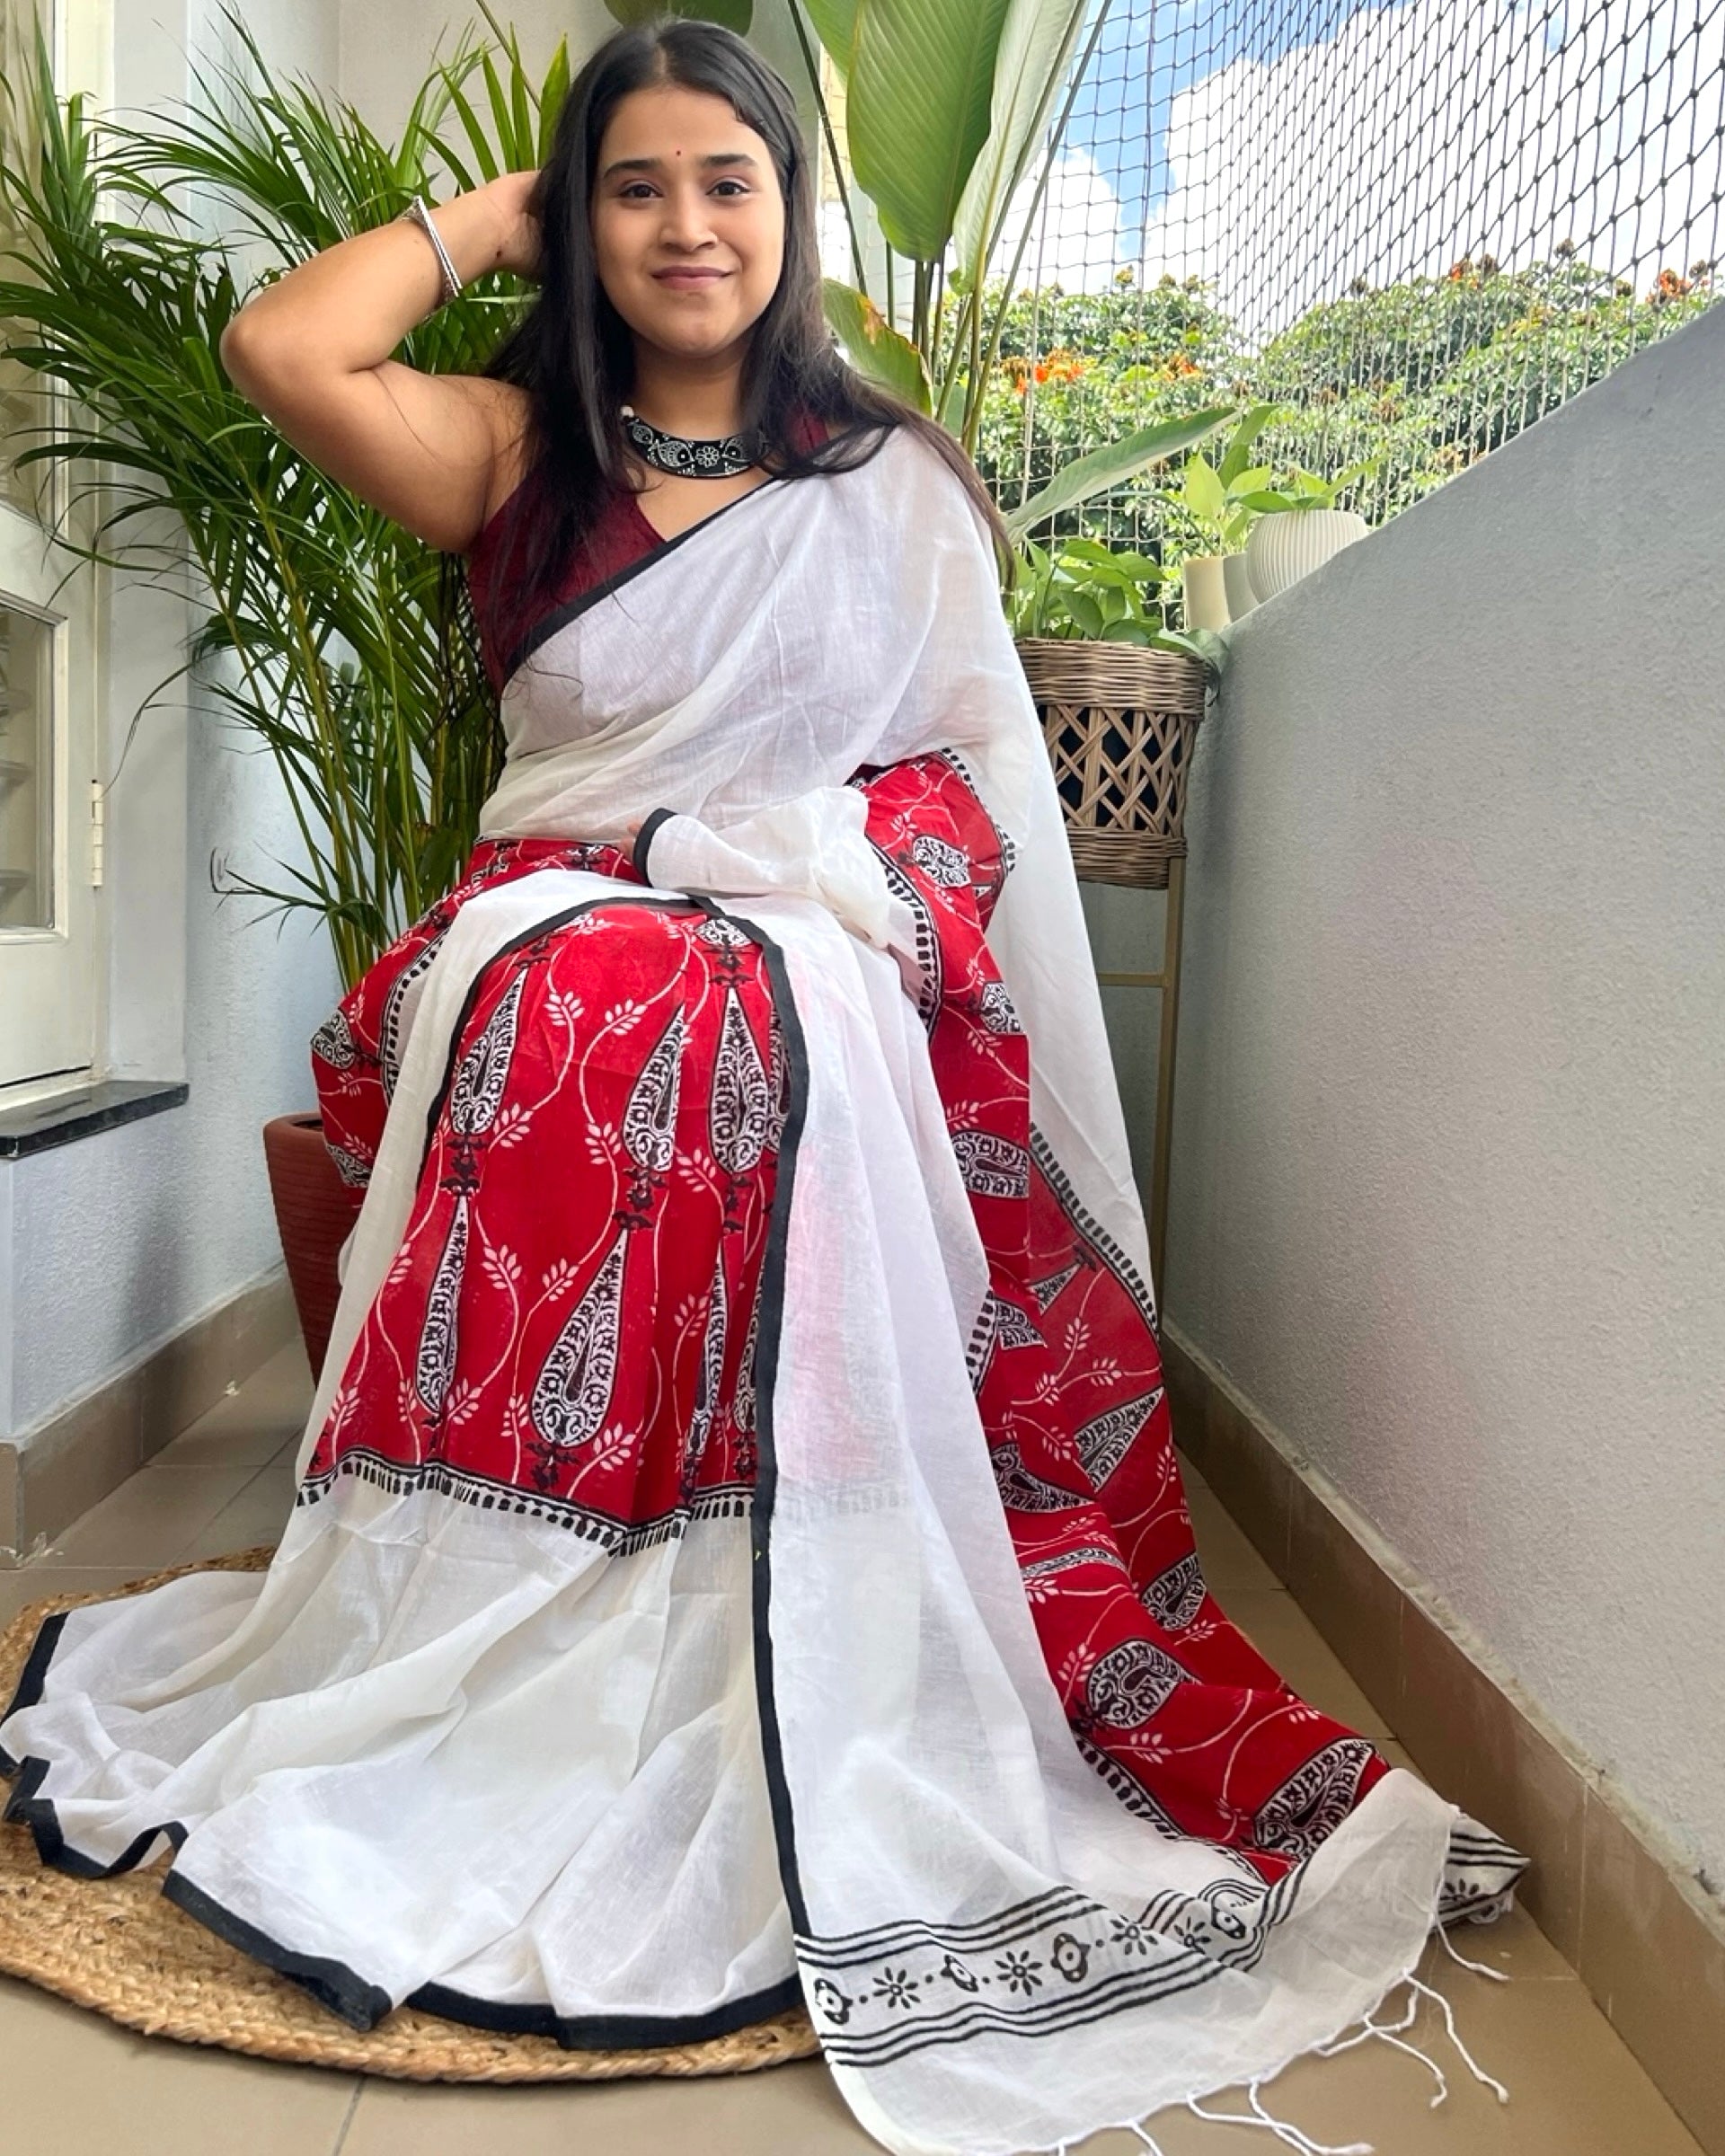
<point>740,1556</point>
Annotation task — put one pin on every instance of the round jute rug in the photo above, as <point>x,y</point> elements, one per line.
<point>121,1947</point>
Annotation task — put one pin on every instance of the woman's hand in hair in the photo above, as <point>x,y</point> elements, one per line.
<point>520,249</point>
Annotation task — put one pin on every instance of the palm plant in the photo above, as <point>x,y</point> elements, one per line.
<point>347,651</point>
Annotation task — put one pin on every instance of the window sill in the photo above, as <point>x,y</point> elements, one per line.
<point>83,1112</point>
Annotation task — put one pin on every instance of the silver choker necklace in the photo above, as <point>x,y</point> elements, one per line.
<point>722,458</point>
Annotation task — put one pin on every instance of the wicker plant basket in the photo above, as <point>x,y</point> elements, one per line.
<point>1121,724</point>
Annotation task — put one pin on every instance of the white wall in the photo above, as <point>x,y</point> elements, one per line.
<point>387,45</point>
<point>1448,1195</point>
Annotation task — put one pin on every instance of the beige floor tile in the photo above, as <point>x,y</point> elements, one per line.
<point>1229,1559</point>
<point>258,1514</point>
<point>1574,2087</point>
<point>1287,1638</point>
<point>253,1424</point>
<point>786,2111</point>
<point>148,1522</point>
<point>1575,2091</point>
<point>36,1583</point>
<point>77,2085</point>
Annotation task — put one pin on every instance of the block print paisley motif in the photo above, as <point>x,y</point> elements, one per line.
<point>741,1103</point>
<point>1045,1291</point>
<point>1174,1597</point>
<point>333,1041</point>
<point>436,1359</point>
<point>354,1171</point>
<point>1107,1439</point>
<point>941,862</point>
<point>477,1093</point>
<point>602,1371</point>
<point>650,1121</point>
<point>391,1028</point>
<point>992,1166</point>
<point>1127,1684</point>
<point>712,1375</point>
<point>1315,1800</point>
<point>574,1389</point>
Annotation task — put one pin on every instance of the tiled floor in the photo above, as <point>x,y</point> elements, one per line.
<point>78,2085</point>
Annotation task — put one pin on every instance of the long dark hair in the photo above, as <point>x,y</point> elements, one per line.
<point>573,352</point>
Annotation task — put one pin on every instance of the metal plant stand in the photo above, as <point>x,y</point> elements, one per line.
<point>1121,724</point>
<point>1168,981</point>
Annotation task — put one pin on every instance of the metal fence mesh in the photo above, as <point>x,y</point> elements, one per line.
<point>1419,227</point>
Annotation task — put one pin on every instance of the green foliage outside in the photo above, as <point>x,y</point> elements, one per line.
<point>1425,377</point>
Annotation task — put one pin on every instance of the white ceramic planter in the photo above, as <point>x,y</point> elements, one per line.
<point>1287,544</point>
<point>1237,580</point>
<point>1206,593</point>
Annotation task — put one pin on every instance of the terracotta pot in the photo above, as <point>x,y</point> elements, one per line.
<point>315,1211</point>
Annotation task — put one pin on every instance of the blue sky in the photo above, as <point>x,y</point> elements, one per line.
<point>1193,38</point>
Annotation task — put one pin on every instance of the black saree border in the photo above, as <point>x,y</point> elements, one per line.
<point>769,1336</point>
<point>559,617</point>
<point>347,1995</point>
<point>608,2032</point>
<point>28,1687</point>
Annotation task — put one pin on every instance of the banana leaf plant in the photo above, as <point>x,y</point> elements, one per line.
<point>342,646</point>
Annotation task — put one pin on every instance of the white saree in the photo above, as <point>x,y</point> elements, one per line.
<point>453,1753</point>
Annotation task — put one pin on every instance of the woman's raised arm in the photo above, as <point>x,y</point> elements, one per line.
<point>312,351</point>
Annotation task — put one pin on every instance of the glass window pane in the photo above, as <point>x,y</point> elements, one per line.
<point>26,772</point>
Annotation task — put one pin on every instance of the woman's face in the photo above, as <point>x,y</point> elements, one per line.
<point>681,184</point>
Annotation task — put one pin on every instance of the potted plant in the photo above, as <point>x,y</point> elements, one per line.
<point>328,636</point>
<point>1300,525</point>
<point>1121,695</point>
<point>1217,502</point>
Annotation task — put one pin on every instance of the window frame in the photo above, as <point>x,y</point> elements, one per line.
<point>51,978</point>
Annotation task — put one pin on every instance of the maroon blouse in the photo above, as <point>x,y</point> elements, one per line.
<point>619,537</point>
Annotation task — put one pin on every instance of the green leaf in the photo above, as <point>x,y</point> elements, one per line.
<point>873,346</point>
<point>1252,422</point>
<point>1034,53</point>
<point>1111,466</point>
<point>554,93</point>
<point>1205,494</point>
<point>834,22</point>
<point>916,111</point>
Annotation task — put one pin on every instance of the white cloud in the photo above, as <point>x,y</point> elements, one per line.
<point>1439,127</point>
<point>1075,240</point>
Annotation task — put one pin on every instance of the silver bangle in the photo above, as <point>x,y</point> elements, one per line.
<point>416,213</point>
